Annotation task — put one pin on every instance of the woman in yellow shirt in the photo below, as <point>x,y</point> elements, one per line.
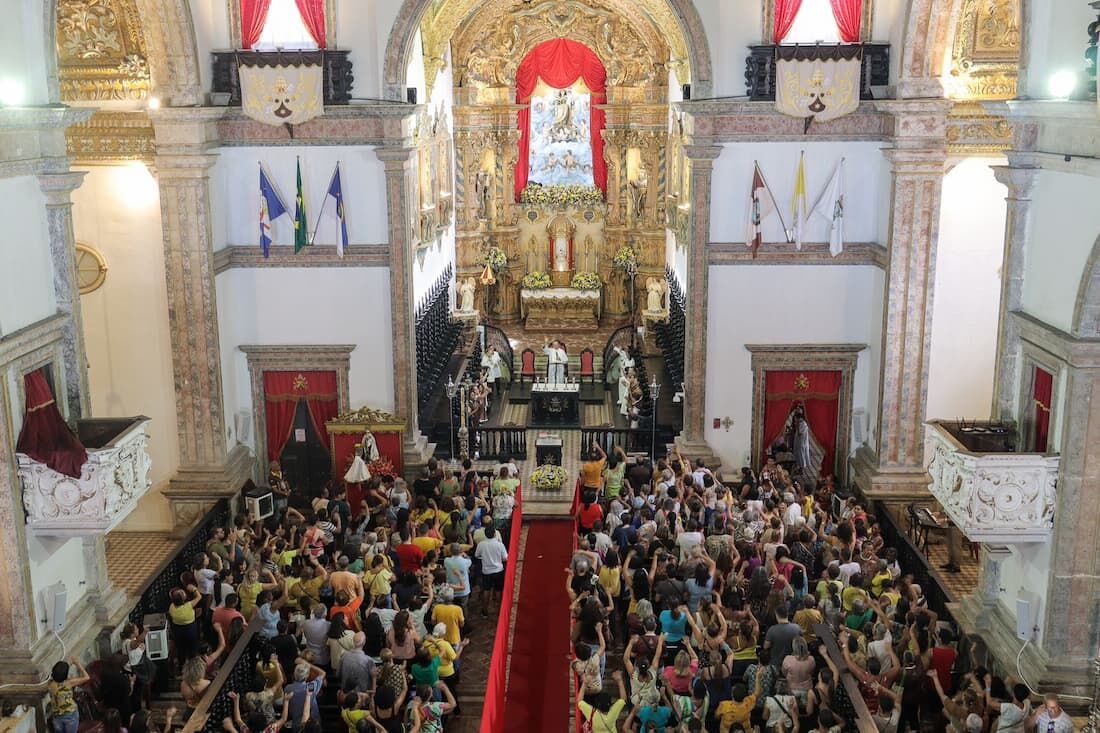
<point>185,629</point>
<point>251,588</point>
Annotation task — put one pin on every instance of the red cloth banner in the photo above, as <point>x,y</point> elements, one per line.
<point>848,14</point>
<point>492,710</point>
<point>785,12</point>
<point>1042,389</point>
<point>313,16</point>
<point>560,63</point>
<point>45,436</point>
<point>253,17</point>
<point>283,391</point>
<point>819,393</point>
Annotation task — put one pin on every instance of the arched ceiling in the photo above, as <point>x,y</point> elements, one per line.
<point>467,23</point>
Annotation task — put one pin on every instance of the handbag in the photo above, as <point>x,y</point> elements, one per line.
<point>789,724</point>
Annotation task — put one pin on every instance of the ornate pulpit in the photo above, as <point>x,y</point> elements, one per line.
<point>348,431</point>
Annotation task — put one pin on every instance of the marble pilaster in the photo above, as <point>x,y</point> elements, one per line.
<point>58,188</point>
<point>1020,181</point>
<point>896,469</point>
<point>692,441</point>
<point>208,469</point>
<point>16,604</point>
<point>400,166</point>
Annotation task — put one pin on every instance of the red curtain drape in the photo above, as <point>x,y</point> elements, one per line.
<point>45,436</point>
<point>848,14</point>
<point>313,16</point>
<point>282,392</point>
<point>560,63</point>
<point>253,17</point>
<point>819,392</point>
<point>1042,388</point>
<point>785,12</point>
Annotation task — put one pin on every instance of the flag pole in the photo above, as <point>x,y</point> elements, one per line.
<point>324,201</point>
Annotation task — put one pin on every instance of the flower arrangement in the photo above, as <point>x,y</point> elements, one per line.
<point>548,477</point>
<point>496,259</point>
<point>587,281</point>
<point>381,466</point>
<point>625,259</point>
<point>572,195</point>
<point>537,280</point>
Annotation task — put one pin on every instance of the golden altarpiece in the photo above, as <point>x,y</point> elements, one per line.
<point>643,187</point>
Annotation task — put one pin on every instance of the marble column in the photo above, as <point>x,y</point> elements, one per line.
<point>16,603</point>
<point>692,441</point>
<point>895,468</point>
<point>400,166</point>
<point>58,188</point>
<point>208,469</point>
<point>1020,181</point>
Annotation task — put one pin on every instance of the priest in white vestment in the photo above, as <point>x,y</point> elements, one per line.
<point>556,359</point>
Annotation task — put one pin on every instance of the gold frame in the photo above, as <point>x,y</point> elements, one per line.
<point>234,7</point>
<point>866,21</point>
<point>985,54</point>
<point>96,255</point>
<point>120,73</point>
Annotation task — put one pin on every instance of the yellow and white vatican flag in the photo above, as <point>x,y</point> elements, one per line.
<point>281,95</point>
<point>816,88</point>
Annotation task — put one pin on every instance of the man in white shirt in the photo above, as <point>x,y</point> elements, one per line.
<point>493,554</point>
<point>849,567</point>
<point>1051,718</point>
<point>556,359</point>
<point>689,539</point>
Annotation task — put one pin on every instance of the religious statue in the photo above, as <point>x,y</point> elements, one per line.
<point>638,189</point>
<point>803,444</point>
<point>655,294</point>
<point>561,229</point>
<point>466,292</point>
<point>358,472</point>
<point>483,189</point>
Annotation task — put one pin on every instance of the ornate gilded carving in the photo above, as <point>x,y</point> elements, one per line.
<point>111,136</point>
<point>101,50</point>
<point>972,131</point>
<point>985,55</point>
<point>487,54</point>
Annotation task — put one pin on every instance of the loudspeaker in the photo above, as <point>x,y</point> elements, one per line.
<point>859,416</point>
<point>242,423</point>
<point>1024,631</point>
<point>259,503</point>
<point>410,94</point>
<point>686,89</point>
<point>56,600</point>
<point>156,636</point>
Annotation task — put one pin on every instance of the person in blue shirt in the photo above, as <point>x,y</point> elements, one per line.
<point>267,610</point>
<point>659,717</point>
<point>303,692</point>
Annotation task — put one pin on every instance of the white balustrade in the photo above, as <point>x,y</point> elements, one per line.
<point>112,481</point>
<point>1002,498</point>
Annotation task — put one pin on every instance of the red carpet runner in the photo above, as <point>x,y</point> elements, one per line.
<point>538,683</point>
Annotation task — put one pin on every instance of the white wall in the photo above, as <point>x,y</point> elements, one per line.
<point>865,169</point>
<point>24,49</point>
<point>1056,37</point>
<point>967,292</point>
<point>117,211</point>
<point>53,560</point>
<point>1064,227</point>
<point>235,193</point>
<point>784,304</point>
<point>211,20</point>
<point>26,267</point>
<point>327,305</point>
<point>1026,575</point>
<point>731,28</point>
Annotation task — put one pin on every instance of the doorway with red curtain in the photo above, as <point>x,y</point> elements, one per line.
<point>297,404</point>
<point>815,394</point>
<point>1042,389</point>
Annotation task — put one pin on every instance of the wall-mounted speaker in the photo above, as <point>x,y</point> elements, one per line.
<point>686,89</point>
<point>242,423</point>
<point>56,600</point>
<point>410,94</point>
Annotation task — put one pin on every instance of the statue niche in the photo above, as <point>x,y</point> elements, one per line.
<point>561,229</point>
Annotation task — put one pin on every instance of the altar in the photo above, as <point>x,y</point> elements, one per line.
<point>555,403</point>
<point>560,309</point>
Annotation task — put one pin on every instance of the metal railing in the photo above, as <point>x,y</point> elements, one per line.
<point>496,444</point>
<point>915,563</point>
<point>631,440</point>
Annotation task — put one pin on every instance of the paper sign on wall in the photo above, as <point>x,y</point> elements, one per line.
<point>299,435</point>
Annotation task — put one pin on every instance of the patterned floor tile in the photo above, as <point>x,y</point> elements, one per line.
<point>133,557</point>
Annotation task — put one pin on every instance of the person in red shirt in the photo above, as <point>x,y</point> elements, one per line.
<point>409,556</point>
<point>224,616</point>
<point>349,606</point>
<point>943,658</point>
<point>588,513</point>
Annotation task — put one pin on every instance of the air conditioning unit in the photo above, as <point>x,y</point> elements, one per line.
<point>56,600</point>
<point>259,503</point>
<point>156,636</point>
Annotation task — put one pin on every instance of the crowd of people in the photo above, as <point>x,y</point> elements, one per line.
<point>371,601</point>
<point>724,598</point>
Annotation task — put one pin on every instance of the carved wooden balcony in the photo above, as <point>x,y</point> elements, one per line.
<point>990,492</point>
<point>115,477</point>
<point>336,70</point>
<point>760,65</point>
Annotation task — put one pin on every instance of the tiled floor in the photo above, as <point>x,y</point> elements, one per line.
<point>959,584</point>
<point>132,557</point>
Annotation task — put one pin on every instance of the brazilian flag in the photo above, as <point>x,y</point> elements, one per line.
<point>301,231</point>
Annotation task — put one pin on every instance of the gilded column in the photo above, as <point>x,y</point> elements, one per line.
<point>918,158</point>
<point>1020,181</point>
<point>208,470</point>
<point>400,190</point>
<point>58,188</point>
<point>700,159</point>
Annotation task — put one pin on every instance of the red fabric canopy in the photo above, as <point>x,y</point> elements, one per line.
<point>785,12</point>
<point>819,392</point>
<point>313,16</point>
<point>560,63</point>
<point>45,436</point>
<point>253,17</point>
<point>848,14</point>
<point>283,390</point>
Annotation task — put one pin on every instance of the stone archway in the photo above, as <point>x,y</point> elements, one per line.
<point>399,47</point>
<point>1086,312</point>
<point>928,31</point>
<point>173,55</point>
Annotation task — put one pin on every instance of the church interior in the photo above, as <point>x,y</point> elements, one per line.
<point>823,268</point>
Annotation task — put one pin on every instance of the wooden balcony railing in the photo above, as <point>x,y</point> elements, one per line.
<point>335,64</point>
<point>760,64</point>
<point>235,674</point>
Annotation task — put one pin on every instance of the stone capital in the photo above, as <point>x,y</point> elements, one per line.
<point>1020,180</point>
<point>185,130</point>
<point>174,166</point>
<point>396,158</point>
<point>59,186</point>
<point>702,155</point>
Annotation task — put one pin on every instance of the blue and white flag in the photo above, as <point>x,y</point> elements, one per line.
<point>336,192</point>
<point>271,207</point>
